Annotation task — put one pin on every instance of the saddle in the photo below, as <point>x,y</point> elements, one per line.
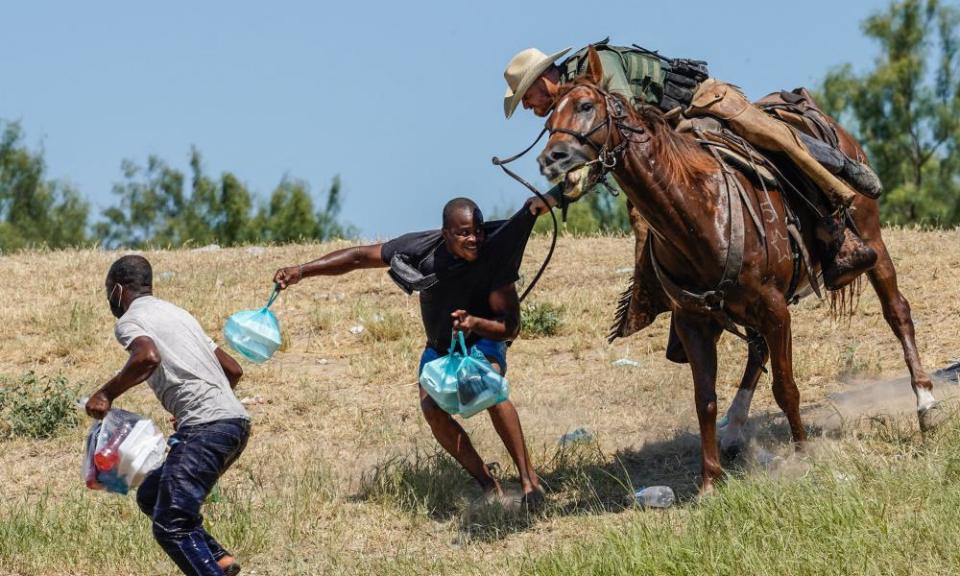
<point>798,109</point>
<point>644,298</point>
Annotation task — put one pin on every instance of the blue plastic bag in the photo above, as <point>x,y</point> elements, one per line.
<point>463,383</point>
<point>255,334</point>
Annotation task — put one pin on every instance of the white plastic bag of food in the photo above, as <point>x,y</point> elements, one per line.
<point>121,450</point>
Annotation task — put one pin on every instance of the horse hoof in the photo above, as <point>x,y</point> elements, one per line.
<point>932,417</point>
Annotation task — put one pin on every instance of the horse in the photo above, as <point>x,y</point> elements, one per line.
<point>690,202</point>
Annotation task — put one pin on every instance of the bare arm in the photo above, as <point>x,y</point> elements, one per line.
<point>505,324</point>
<point>144,359</point>
<point>230,367</point>
<point>332,264</point>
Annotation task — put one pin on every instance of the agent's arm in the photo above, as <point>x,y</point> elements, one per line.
<point>230,367</point>
<point>332,264</point>
<point>144,359</point>
<point>505,324</point>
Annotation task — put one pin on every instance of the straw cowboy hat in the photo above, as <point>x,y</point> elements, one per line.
<point>522,71</point>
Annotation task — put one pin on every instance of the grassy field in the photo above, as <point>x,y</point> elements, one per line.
<point>342,476</point>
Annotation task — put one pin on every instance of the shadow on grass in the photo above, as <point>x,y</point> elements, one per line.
<point>579,479</point>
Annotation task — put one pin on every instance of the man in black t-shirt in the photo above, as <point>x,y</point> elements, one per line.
<point>465,274</point>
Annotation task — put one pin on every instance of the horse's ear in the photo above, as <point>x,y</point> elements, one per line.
<point>594,72</point>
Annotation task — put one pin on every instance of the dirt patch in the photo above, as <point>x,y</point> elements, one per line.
<point>893,398</point>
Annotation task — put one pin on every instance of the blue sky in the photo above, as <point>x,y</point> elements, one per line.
<point>403,100</point>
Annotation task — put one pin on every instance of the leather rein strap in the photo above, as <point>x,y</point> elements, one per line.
<point>553,241</point>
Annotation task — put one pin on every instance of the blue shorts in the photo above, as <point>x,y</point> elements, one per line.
<point>492,349</point>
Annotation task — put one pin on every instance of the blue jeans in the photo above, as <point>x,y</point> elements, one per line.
<point>492,349</point>
<point>172,494</point>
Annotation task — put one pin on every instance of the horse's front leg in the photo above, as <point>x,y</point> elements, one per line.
<point>732,438</point>
<point>776,330</point>
<point>699,336</point>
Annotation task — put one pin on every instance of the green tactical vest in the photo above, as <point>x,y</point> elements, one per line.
<point>636,75</point>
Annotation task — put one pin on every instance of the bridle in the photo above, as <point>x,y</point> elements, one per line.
<point>607,158</point>
<point>615,117</point>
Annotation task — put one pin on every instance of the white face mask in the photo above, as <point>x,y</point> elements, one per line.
<point>116,309</point>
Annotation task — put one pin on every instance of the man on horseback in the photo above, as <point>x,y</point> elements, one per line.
<point>682,88</point>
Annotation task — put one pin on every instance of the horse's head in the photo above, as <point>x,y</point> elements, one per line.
<point>592,127</point>
<point>584,126</point>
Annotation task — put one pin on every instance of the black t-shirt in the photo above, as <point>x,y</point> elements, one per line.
<point>462,285</point>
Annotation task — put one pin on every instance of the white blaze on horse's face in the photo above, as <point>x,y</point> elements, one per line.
<point>572,123</point>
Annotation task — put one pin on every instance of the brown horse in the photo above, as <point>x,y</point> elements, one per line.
<point>683,193</point>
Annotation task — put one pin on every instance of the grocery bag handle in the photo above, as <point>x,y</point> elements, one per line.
<point>457,336</point>
<point>273,295</point>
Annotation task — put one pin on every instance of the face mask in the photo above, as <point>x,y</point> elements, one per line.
<point>116,309</point>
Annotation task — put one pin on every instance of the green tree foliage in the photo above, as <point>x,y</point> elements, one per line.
<point>597,212</point>
<point>906,109</point>
<point>155,208</point>
<point>35,211</point>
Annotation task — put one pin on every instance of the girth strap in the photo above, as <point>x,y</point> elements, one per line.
<point>712,300</point>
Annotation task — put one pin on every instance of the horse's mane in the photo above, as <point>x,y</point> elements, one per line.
<point>679,158</point>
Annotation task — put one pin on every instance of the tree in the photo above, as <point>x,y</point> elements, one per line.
<point>33,210</point>
<point>155,209</point>
<point>328,219</point>
<point>906,110</point>
<point>599,211</point>
<point>235,225</point>
<point>289,215</point>
<point>151,203</point>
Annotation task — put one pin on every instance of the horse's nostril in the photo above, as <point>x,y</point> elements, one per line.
<point>557,155</point>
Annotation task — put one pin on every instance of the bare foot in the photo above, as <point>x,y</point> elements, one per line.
<point>229,565</point>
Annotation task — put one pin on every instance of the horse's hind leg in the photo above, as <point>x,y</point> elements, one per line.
<point>896,311</point>
<point>699,337</point>
<point>776,330</point>
<point>732,438</point>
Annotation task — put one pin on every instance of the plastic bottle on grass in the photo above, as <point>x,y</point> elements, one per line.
<point>655,497</point>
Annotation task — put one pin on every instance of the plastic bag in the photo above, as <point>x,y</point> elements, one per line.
<point>121,450</point>
<point>463,383</point>
<point>255,334</point>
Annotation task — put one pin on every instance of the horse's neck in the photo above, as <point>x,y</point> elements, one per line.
<point>690,222</point>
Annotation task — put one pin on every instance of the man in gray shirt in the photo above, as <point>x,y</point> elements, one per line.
<point>194,380</point>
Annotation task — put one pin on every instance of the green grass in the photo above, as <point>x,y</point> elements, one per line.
<point>84,532</point>
<point>880,502</point>
<point>864,509</point>
<point>36,407</point>
<point>339,406</point>
<point>541,319</point>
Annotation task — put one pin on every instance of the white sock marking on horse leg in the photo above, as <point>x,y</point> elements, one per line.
<point>736,418</point>
<point>925,399</point>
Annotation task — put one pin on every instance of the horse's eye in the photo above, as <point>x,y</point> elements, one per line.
<point>584,107</point>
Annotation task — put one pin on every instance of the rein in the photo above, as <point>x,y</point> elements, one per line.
<point>615,116</point>
<point>553,241</point>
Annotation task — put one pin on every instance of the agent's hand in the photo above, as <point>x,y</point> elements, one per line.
<point>463,321</point>
<point>98,405</point>
<point>537,207</point>
<point>288,276</point>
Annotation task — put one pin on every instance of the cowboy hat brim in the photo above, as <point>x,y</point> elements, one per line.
<point>513,97</point>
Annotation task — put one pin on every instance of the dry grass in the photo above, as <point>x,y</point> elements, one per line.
<point>341,475</point>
